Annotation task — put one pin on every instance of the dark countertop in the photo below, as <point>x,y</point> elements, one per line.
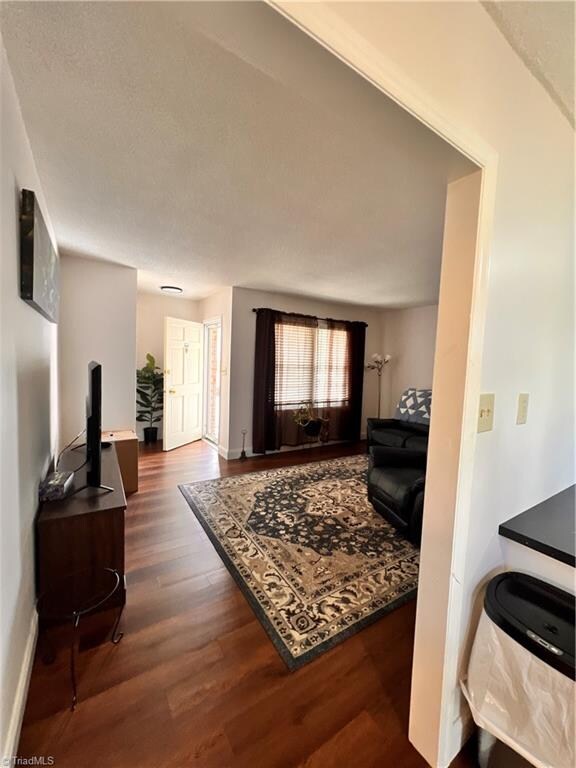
<point>549,527</point>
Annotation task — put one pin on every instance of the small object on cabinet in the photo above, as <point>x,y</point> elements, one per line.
<point>56,486</point>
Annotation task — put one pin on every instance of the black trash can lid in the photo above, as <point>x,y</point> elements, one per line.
<point>537,615</point>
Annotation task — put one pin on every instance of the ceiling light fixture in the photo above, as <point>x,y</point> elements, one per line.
<point>170,289</point>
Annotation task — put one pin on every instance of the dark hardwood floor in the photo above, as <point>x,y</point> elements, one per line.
<point>196,681</point>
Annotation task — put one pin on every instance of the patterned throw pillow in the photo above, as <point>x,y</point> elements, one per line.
<point>415,406</point>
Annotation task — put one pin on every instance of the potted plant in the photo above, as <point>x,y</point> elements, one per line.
<point>149,397</point>
<point>310,422</point>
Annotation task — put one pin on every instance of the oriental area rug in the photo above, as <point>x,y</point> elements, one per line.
<point>305,546</point>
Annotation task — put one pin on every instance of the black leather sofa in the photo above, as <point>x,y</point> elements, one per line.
<point>396,480</point>
<point>410,426</point>
<point>397,433</point>
<point>398,451</point>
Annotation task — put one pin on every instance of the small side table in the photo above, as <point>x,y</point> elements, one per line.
<point>126,442</point>
<point>69,599</point>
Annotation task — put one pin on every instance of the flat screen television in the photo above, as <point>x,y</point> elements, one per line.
<point>94,425</point>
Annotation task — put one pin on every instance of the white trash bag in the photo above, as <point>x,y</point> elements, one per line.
<point>520,699</point>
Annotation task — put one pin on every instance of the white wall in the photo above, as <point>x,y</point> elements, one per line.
<point>449,60</point>
<point>28,420</point>
<point>242,358</point>
<point>151,309</point>
<point>409,336</point>
<point>97,322</point>
<point>220,305</point>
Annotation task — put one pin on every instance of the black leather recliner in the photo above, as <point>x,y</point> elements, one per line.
<point>396,480</point>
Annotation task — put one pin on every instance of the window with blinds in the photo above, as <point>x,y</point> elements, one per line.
<point>312,365</point>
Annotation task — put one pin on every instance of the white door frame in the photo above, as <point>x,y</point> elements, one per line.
<point>207,324</point>
<point>331,31</point>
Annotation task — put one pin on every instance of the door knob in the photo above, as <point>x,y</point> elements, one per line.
<point>171,391</point>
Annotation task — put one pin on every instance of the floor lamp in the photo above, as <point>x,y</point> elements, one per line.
<point>377,363</point>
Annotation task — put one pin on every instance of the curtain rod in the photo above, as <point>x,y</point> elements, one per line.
<point>312,317</point>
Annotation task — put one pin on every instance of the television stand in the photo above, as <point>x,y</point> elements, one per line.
<point>83,533</point>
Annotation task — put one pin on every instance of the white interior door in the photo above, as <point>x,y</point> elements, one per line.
<point>183,382</point>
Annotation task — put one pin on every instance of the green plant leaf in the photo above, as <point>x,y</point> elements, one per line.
<point>149,392</point>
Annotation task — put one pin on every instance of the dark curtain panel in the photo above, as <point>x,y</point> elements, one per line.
<point>302,359</point>
<point>357,337</point>
<point>263,419</point>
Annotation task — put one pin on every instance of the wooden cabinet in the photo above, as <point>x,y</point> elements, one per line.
<point>85,531</point>
<point>126,442</point>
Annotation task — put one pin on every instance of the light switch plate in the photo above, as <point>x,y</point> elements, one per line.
<point>522,412</point>
<point>486,413</point>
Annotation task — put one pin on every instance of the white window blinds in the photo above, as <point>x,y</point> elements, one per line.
<point>312,365</point>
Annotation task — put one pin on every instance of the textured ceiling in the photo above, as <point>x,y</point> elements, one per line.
<point>216,144</point>
<point>542,34</point>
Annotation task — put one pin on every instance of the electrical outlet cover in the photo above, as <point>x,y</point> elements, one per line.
<point>522,412</point>
<point>486,413</point>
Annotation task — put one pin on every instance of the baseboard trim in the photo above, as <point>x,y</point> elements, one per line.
<point>234,453</point>
<point>9,749</point>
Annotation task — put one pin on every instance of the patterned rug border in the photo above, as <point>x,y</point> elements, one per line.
<point>290,661</point>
